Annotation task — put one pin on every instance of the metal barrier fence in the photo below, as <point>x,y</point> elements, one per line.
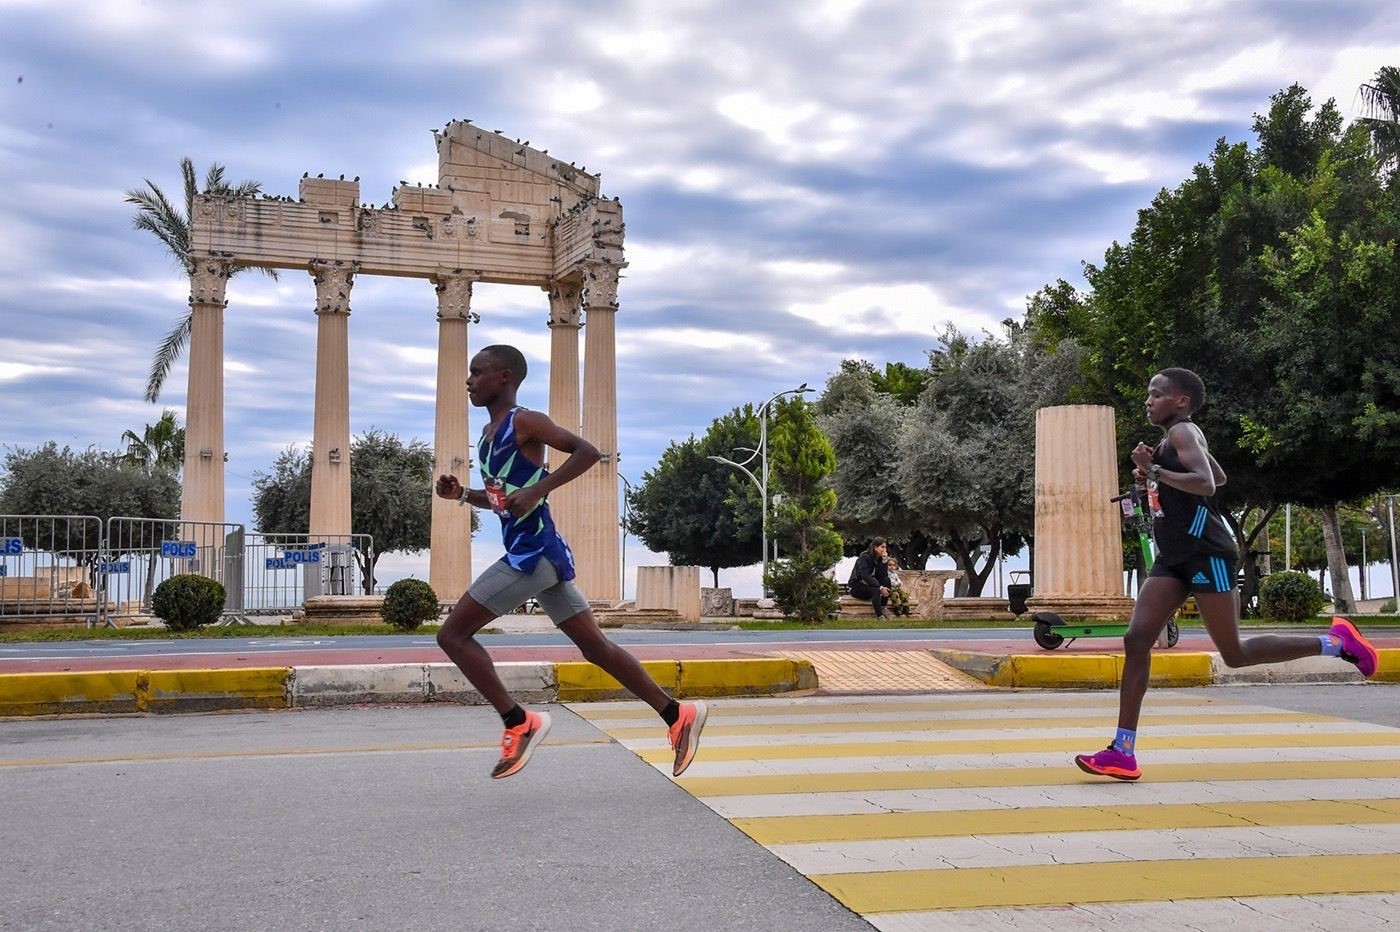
<point>281,571</point>
<point>71,569</point>
<point>141,553</point>
<point>51,569</point>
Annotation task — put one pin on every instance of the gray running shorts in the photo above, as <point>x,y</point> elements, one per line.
<point>503,589</point>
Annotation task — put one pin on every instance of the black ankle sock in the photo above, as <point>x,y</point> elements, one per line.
<point>514,718</point>
<point>671,713</point>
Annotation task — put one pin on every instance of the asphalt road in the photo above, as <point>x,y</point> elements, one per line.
<point>385,817</point>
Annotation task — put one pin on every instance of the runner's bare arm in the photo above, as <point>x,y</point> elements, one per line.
<point>450,487</point>
<point>1200,474</point>
<point>534,431</point>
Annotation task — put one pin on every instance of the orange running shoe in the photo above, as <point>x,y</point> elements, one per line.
<point>685,734</point>
<point>518,743</point>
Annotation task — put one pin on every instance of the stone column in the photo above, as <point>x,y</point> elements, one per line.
<point>1078,532</point>
<point>450,556</point>
<point>599,560</point>
<point>330,443</point>
<point>202,489</point>
<point>564,503</point>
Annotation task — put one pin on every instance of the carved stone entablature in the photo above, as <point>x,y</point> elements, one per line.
<point>333,282</point>
<point>224,209</point>
<point>454,296</point>
<point>600,285</point>
<point>208,280</point>
<point>564,304</point>
<point>369,221</point>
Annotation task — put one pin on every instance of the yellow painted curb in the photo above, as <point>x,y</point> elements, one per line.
<point>49,693</point>
<point>145,691</point>
<point>1076,671</point>
<point>745,677</point>
<point>583,682</point>
<point>196,690</point>
<point>1388,669</point>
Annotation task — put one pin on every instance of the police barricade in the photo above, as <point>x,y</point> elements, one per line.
<point>141,553</point>
<point>281,571</point>
<point>50,570</point>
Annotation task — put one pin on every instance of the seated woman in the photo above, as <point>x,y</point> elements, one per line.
<point>870,578</point>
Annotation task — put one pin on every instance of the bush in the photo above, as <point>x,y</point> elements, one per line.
<point>409,603</point>
<point>187,601</point>
<point>802,589</point>
<point>1290,596</point>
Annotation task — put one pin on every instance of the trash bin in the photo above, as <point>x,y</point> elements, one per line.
<point>1016,595</point>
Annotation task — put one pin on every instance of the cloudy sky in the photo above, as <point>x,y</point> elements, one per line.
<point>803,181</point>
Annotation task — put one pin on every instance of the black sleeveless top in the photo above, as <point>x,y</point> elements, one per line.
<point>1190,525</point>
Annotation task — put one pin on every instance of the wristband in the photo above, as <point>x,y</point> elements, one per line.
<point>1154,471</point>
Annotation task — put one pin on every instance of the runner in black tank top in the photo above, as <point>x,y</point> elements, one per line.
<point>1196,554</point>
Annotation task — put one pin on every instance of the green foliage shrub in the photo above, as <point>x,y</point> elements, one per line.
<point>1290,596</point>
<point>188,601</point>
<point>408,604</point>
<point>801,587</point>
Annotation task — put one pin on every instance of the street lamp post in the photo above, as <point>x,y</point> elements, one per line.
<point>1394,568</point>
<point>761,454</point>
<point>1363,563</point>
<point>626,513</point>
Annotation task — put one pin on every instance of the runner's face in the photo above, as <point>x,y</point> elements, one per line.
<point>486,378</point>
<point>1163,400</point>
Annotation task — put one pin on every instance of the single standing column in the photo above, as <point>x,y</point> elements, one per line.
<point>330,443</point>
<point>597,553</point>
<point>564,502</point>
<point>450,554</point>
<point>1078,531</point>
<point>202,489</point>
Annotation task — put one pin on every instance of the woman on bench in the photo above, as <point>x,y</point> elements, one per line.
<point>870,579</point>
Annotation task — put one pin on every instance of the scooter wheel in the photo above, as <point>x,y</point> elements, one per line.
<point>1046,637</point>
<point>1173,633</point>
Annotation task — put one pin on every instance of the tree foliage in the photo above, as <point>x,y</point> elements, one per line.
<point>1272,273</point>
<point>390,495</point>
<point>802,460</point>
<point>162,219</point>
<point>50,480</point>
<point>697,511</point>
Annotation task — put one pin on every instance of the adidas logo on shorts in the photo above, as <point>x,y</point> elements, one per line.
<point>1200,579</point>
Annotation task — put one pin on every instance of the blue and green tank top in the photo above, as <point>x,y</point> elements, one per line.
<point>532,536</point>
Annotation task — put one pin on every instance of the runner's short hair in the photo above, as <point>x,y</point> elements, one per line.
<point>1187,383</point>
<point>508,357</point>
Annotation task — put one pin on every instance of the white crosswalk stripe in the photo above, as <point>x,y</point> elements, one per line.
<point>966,812</point>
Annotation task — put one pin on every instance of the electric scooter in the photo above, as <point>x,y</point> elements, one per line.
<point>1051,631</point>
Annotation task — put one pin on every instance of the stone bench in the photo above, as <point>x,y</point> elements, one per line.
<point>341,610</point>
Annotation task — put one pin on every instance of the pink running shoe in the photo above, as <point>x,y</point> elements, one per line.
<point>685,734</point>
<point>1355,648</point>
<point>1109,763</point>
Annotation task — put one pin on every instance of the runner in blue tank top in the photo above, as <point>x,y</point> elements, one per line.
<point>537,564</point>
<point>1196,555</point>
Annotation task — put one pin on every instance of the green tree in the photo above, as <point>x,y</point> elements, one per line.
<point>801,461</point>
<point>159,446</point>
<point>390,496</point>
<point>1381,97</point>
<point>1270,273</point>
<point>699,512</point>
<point>158,216</point>
<point>50,480</point>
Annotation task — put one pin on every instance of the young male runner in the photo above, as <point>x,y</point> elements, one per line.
<point>537,564</point>
<point>1195,554</point>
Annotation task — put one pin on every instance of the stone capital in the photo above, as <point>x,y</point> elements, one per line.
<point>333,282</point>
<point>564,304</point>
<point>454,297</point>
<point>600,285</point>
<point>208,280</point>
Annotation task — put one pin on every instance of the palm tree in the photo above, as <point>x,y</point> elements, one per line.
<point>162,219</point>
<point>1382,120</point>
<point>160,445</point>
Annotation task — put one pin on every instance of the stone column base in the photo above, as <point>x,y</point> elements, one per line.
<point>1097,607</point>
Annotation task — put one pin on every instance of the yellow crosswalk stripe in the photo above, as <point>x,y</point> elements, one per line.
<point>1022,746</point>
<point>1112,882</point>
<point>816,706</point>
<point>788,830</point>
<point>867,781</point>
